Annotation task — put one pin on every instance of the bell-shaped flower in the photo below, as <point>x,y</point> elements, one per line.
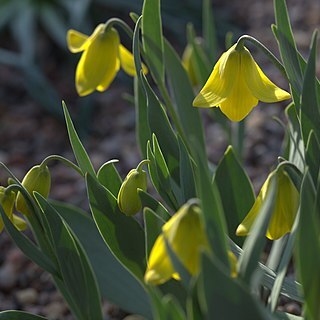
<point>7,199</point>
<point>185,234</point>
<point>128,198</point>
<point>285,208</point>
<point>102,56</point>
<point>38,179</point>
<point>236,84</point>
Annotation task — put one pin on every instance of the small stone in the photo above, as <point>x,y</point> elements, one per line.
<point>55,310</point>
<point>7,278</point>
<point>293,308</point>
<point>27,296</point>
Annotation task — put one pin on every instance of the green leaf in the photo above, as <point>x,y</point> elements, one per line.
<point>166,182</point>
<point>236,191</point>
<point>27,247</point>
<point>77,147</point>
<point>312,156</point>
<point>76,271</point>
<point>209,30</point>
<point>152,37</point>
<point>152,229</point>
<point>117,285</point>
<point>288,49</point>
<point>254,243</point>
<point>19,315</point>
<point>308,247</point>
<point>157,182</point>
<point>287,316</point>
<point>225,296</point>
<point>52,20</point>
<point>296,145</point>
<point>199,59</point>
<point>148,201</point>
<point>109,177</point>
<point>174,310</point>
<point>187,181</point>
<point>211,208</point>
<point>122,234</point>
<point>142,125</point>
<point>290,288</point>
<point>309,112</point>
<point>183,96</point>
<point>160,126</point>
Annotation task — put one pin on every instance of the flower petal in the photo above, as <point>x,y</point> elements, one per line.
<point>240,101</point>
<point>286,208</point>
<point>245,226</point>
<point>98,64</point>
<point>220,82</point>
<point>159,268</point>
<point>258,83</point>
<point>127,62</point>
<point>76,41</point>
<point>19,222</point>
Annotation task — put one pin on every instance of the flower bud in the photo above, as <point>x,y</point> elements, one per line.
<point>185,233</point>
<point>37,179</point>
<point>7,202</point>
<point>128,199</point>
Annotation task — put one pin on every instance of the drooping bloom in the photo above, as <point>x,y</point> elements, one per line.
<point>185,234</point>
<point>7,199</point>
<point>187,62</point>
<point>236,84</point>
<point>101,58</point>
<point>38,179</point>
<point>128,198</point>
<point>285,208</point>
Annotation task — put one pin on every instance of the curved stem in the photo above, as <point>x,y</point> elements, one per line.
<point>62,159</point>
<point>116,21</point>
<point>264,49</point>
<point>141,164</point>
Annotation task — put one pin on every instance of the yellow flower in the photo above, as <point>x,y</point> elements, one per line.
<point>38,178</point>
<point>186,236</point>
<point>128,198</point>
<point>101,58</point>
<point>236,84</point>
<point>7,202</point>
<point>285,208</point>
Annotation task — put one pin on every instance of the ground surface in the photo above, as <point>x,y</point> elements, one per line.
<point>28,134</point>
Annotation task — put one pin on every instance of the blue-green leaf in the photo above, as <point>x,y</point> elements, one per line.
<point>116,284</point>
<point>236,191</point>
<point>28,247</point>
<point>109,177</point>
<point>309,112</point>
<point>76,271</point>
<point>152,37</point>
<point>122,234</point>
<point>79,151</point>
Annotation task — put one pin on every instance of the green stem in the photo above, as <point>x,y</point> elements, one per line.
<point>62,159</point>
<point>264,49</point>
<point>141,164</point>
<point>116,21</point>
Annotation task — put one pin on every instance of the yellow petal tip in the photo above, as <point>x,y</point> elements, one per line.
<point>241,231</point>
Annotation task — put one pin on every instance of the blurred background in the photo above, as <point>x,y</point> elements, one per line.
<point>37,72</point>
